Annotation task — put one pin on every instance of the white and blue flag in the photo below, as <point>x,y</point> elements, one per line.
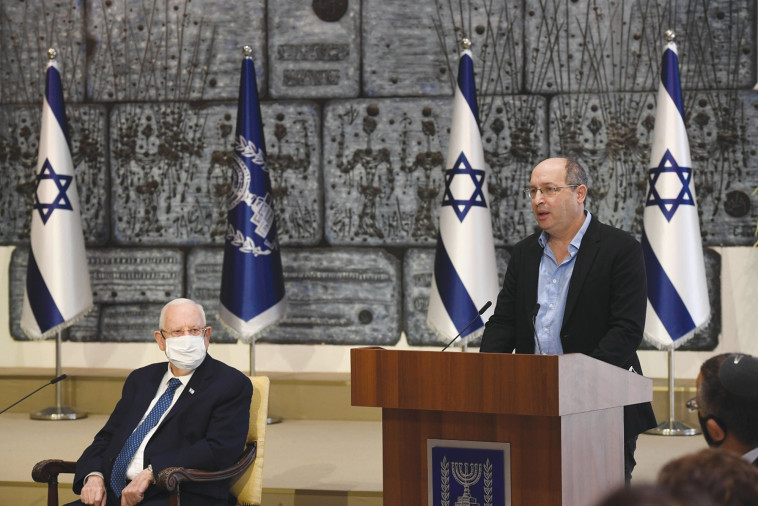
<point>252,283</point>
<point>465,273</point>
<point>57,289</point>
<point>677,291</point>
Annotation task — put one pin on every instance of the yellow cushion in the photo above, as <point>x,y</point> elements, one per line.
<point>249,487</point>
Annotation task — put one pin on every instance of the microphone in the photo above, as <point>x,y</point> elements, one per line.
<point>534,326</point>
<point>480,313</point>
<point>51,382</point>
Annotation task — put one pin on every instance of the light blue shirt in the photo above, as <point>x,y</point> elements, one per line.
<point>552,291</point>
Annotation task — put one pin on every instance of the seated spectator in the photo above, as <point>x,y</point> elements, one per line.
<point>649,494</point>
<point>727,403</point>
<point>722,476</point>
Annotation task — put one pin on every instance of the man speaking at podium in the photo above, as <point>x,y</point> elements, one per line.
<point>578,286</point>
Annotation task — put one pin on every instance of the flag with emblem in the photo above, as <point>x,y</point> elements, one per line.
<point>465,274</point>
<point>252,283</point>
<point>57,291</point>
<point>677,291</point>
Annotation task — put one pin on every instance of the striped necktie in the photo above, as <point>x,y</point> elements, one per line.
<point>118,476</point>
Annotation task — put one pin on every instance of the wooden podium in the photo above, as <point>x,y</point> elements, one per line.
<point>561,414</point>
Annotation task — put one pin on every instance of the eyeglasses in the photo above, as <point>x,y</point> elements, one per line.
<point>692,405</point>
<point>194,331</point>
<point>548,190</point>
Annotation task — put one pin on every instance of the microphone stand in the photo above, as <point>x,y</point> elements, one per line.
<point>58,412</point>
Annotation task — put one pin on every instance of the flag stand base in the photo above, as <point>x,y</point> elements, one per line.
<point>58,413</point>
<point>673,428</point>
<point>273,420</point>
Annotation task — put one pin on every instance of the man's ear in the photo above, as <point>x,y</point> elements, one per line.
<point>714,429</point>
<point>159,339</point>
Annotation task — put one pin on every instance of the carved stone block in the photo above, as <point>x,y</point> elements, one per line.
<point>171,171</point>
<point>28,29</point>
<point>414,50</point>
<point>418,268</point>
<point>612,134</point>
<point>587,46</point>
<point>19,147</point>
<point>135,275</point>
<point>175,50</point>
<point>314,48</point>
<point>384,163</point>
<point>130,323</point>
<point>334,296</point>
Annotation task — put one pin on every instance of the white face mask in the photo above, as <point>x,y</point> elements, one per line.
<point>186,352</point>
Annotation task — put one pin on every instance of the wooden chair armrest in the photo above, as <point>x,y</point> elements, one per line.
<point>170,478</point>
<point>46,470</point>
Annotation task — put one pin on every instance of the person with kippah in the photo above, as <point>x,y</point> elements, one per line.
<point>727,403</point>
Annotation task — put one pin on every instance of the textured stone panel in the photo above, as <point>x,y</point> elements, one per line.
<point>706,338</point>
<point>19,146</point>
<point>611,134</point>
<point>86,329</point>
<point>314,48</point>
<point>589,45</point>
<point>345,296</point>
<point>413,49</point>
<point>418,267</point>
<point>135,275</point>
<point>172,49</point>
<point>171,171</point>
<point>130,323</point>
<point>384,163</point>
<point>27,30</point>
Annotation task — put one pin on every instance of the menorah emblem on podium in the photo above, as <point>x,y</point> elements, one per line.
<point>467,475</point>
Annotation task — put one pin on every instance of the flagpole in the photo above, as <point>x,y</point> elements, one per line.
<point>58,412</point>
<point>672,427</point>
<point>271,419</point>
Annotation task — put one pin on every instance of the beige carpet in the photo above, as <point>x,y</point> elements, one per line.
<point>300,454</point>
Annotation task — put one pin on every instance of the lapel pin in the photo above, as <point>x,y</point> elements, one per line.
<point>192,390</point>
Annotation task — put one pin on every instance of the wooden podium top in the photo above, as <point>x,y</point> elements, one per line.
<point>552,385</point>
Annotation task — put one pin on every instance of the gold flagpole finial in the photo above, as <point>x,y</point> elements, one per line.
<point>466,42</point>
<point>670,35</point>
<point>52,54</point>
<point>247,51</point>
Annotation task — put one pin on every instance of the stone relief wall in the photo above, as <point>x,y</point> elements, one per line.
<point>356,100</point>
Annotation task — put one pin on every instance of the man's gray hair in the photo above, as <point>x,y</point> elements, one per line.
<point>177,302</point>
<point>575,173</point>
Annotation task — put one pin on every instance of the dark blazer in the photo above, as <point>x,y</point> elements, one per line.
<point>205,429</point>
<point>605,306</point>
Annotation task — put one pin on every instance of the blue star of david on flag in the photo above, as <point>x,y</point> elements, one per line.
<point>462,169</point>
<point>669,206</point>
<point>61,200</point>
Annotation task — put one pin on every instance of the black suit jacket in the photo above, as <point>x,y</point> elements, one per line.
<point>205,429</point>
<point>605,306</point>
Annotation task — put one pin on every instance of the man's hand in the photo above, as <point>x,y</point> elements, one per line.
<point>134,492</point>
<point>94,491</point>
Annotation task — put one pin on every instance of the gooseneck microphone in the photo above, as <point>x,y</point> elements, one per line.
<point>51,382</point>
<point>534,326</point>
<point>481,312</point>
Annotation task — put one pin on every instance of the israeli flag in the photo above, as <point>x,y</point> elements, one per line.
<point>57,289</point>
<point>252,284</point>
<point>677,291</point>
<point>465,273</point>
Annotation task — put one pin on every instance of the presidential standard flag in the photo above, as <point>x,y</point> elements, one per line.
<point>677,291</point>
<point>57,279</point>
<point>465,274</point>
<point>252,285</point>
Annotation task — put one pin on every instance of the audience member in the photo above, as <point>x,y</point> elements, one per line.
<point>727,403</point>
<point>722,476</point>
